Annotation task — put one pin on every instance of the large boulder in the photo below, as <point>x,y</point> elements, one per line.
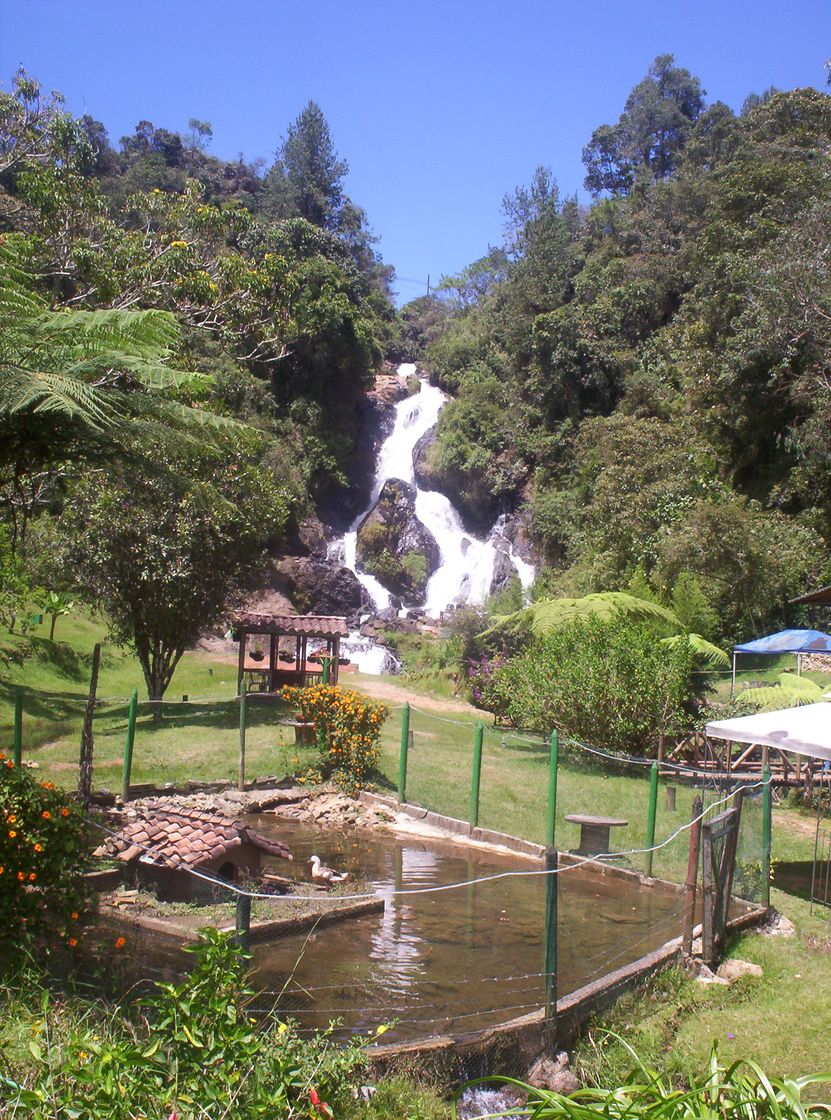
<point>319,586</point>
<point>394,546</point>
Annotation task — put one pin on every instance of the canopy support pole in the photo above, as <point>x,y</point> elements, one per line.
<point>733,680</point>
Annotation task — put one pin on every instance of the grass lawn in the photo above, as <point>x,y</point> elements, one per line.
<point>780,1021</point>
<point>200,741</point>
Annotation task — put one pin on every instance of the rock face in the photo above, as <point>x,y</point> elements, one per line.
<point>394,546</point>
<point>367,425</point>
<point>503,570</point>
<point>472,495</point>
<point>318,586</point>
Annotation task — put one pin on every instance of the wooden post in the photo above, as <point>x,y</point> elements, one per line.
<point>477,774</point>
<point>272,660</point>
<point>671,793</point>
<point>243,923</point>
<point>241,776</point>
<point>692,876</point>
<point>553,763</point>
<point>128,746</point>
<point>650,820</point>
<point>241,660</point>
<point>335,659</point>
<point>550,965</point>
<point>767,834</point>
<point>402,757</point>
<point>17,748</point>
<point>87,742</point>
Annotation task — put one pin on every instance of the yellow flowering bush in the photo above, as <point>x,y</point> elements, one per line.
<point>348,728</point>
<point>43,845</point>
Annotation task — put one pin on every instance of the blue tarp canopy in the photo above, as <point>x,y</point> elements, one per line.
<point>789,641</point>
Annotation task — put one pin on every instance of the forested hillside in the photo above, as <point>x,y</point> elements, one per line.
<point>185,349</point>
<point>650,376</point>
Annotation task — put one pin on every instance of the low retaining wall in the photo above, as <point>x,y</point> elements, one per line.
<point>268,930</point>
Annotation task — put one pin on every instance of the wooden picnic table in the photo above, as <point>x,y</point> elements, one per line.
<point>594,832</point>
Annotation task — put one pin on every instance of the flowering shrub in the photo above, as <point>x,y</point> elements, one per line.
<point>348,728</point>
<point>482,679</point>
<point>43,845</point>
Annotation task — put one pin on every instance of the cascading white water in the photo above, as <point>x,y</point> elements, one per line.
<point>465,572</point>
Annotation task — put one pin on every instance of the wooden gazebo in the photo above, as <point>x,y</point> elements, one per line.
<point>275,667</point>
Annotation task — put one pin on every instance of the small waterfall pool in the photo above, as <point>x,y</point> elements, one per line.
<point>467,562</point>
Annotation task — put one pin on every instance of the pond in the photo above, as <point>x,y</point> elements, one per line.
<point>446,962</point>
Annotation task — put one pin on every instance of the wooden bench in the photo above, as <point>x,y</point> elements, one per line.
<point>594,833</point>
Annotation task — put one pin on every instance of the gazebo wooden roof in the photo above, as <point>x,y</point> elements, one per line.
<point>820,597</point>
<point>302,627</point>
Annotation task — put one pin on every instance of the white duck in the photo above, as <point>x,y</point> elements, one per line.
<point>325,876</point>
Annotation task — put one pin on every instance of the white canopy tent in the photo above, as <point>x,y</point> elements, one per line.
<point>805,730</point>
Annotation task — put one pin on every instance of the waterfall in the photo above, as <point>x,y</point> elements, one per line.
<point>466,565</point>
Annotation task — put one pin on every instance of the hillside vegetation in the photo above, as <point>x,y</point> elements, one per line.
<point>648,376</point>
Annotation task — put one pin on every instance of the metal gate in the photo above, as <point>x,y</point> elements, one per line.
<point>719,838</point>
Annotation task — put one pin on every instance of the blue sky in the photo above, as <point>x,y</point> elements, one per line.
<point>440,108</point>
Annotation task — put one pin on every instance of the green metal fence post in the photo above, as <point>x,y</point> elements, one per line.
<point>243,922</point>
<point>553,762</point>
<point>477,774</point>
<point>128,746</point>
<point>241,778</point>
<point>18,727</point>
<point>325,662</point>
<point>550,965</point>
<point>402,757</point>
<point>650,820</point>
<point>767,833</point>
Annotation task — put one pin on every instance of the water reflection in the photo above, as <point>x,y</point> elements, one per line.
<point>453,961</point>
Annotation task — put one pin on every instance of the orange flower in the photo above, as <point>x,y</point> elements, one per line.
<point>32,876</point>
<point>120,942</point>
<point>12,834</point>
<point>64,812</point>
<point>47,816</point>
<point>12,818</point>
<point>47,785</point>
<point>2,869</point>
<point>21,876</point>
<point>73,941</point>
<point>38,847</point>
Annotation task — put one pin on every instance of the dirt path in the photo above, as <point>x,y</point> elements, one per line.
<point>397,694</point>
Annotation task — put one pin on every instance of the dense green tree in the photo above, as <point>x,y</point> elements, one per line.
<point>306,180</point>
<point>649,137</point>
<point>164,555</point>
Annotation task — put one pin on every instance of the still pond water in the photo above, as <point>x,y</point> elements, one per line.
<point>448,962</point>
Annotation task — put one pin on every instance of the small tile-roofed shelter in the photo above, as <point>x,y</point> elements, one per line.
<point>161,849</point>
<point>296,670</point>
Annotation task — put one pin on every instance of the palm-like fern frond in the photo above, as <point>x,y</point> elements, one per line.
<point>704,652</point>
<point>548,614</point>
<point>773,697</point>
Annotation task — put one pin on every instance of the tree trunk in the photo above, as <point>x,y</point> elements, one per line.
<point>52,628</point>
<point>87,743</point>
<point>158,664</point>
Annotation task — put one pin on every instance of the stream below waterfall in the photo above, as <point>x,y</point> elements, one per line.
<point>466,568</point>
